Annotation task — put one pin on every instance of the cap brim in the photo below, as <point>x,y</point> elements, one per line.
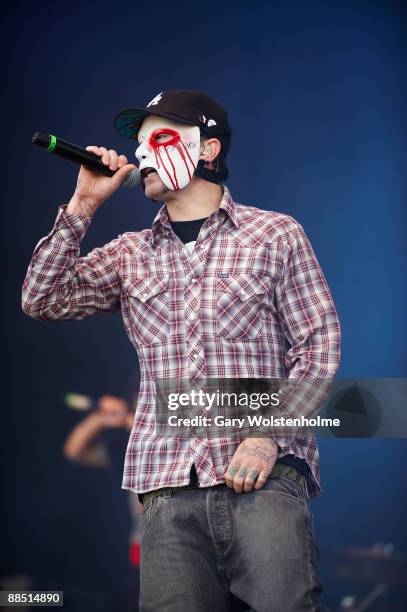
<point>128,121</point>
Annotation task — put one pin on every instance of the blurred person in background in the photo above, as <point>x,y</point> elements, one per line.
<point>100,440</point>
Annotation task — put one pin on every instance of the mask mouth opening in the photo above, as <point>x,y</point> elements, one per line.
<point>146,171</point>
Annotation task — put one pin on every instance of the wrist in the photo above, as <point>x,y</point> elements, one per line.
<point>261,434</point>
<point>81,206</point>
<point>97,421</point>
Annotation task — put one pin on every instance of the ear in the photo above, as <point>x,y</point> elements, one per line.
<point>210,149</point>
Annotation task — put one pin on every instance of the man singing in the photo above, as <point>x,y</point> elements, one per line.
<point>214,289</point>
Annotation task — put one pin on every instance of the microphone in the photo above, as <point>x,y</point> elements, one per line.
<point>83,403</point>
<point>72,152</point>
<point>80,402</point>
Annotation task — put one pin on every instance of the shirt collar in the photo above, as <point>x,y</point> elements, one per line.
<point>161,223</point>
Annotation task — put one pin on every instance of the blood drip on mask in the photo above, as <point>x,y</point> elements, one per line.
<point>175,142</point>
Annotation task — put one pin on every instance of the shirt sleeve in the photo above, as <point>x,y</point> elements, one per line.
<point>60,284</point>
<point>311,330</point>
<point>307,312</point>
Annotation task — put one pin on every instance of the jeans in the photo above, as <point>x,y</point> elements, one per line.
<point>212,549</point>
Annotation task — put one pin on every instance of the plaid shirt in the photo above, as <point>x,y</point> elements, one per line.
<point>250,302</point>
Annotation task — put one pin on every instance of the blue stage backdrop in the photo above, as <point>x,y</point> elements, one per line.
<point>316,94</point>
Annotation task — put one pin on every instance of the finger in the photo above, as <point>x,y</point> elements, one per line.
<point>261,480</point>
<point>239,479</point>
<point>105,155</point>
<point>119,176</point>
<point>108,405</point>
<point>230,474</point>
<point>250,480</point>
<point>94,149</point>
<point>114,159</point>
<point>122,160</point>
<point>102,400</point>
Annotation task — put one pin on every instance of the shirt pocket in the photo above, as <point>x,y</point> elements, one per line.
<point>148,303</point>
<point>241,301</point>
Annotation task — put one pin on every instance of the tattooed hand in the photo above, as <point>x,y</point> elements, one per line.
<point>251,464</point>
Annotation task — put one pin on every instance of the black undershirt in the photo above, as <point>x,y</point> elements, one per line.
<point>187,231</point>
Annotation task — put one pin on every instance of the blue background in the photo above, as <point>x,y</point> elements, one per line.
<point>316,95</point>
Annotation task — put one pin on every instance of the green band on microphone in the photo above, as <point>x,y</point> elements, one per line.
<point>52,144</point>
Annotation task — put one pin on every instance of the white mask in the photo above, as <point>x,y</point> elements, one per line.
<point>171,149</point>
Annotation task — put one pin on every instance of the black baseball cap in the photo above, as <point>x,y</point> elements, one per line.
<point>183,106</point>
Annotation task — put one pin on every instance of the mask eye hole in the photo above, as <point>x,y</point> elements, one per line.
<point>164,137</point>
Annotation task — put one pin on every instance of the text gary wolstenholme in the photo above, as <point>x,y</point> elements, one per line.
<point>252,420</point>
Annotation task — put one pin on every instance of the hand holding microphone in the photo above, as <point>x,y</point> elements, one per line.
<point>93,188</point>
<point>102,172</point>
<point>109,410</point>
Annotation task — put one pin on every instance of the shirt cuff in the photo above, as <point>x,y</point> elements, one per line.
<point>70,226</point>
<point>75,224</point>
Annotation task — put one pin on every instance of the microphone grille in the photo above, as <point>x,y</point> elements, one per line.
<point>132,179</point>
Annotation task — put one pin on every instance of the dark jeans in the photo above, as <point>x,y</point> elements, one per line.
<point>215,550</point>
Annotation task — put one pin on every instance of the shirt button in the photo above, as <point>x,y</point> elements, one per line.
<point>145,294</point>
<point>202,246</point>
<point>243,292</point>
<point>193,280</point>
<point>192,316</point>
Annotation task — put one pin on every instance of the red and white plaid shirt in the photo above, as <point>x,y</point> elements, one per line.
<point>250,302</point>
